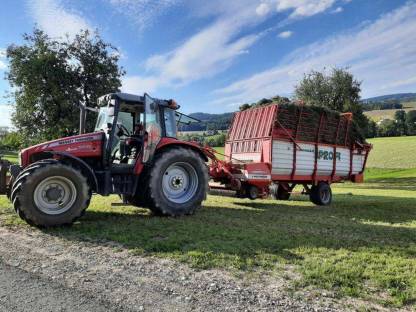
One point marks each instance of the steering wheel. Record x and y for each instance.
(123, 129)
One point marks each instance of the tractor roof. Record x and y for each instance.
(125, 97)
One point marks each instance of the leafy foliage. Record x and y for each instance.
(53, 78)
(338, 91)
(12, 141)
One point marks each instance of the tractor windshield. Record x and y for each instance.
(103, 119)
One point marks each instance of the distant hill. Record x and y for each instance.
(209, 122)
(400, 97)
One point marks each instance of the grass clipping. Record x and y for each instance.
(312, 123)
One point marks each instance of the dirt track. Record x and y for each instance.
(40, 272)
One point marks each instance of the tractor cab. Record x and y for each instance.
(134, 125)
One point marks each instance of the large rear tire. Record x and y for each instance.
(321, 194)
(48, 194)
(178, 182)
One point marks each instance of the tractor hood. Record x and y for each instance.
(83, 146)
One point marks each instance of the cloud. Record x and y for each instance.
(143, 13)
(382, 54)
(56, 20)
(285, 34)
(216, 47)
(263, 9)
(303, 8)
(3, 64)
(337, 10)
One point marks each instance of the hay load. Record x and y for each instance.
(317, 124)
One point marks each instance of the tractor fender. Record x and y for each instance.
(170, 142)
(85, 168)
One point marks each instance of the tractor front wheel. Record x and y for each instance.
(178, 182)
(50, 194)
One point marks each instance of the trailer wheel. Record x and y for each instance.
(279, 192)
(178, 182)
(50, 194)
(321, 194)
(252, 192)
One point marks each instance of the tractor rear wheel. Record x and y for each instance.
(50, 194)
(178, 182)
(321, 194)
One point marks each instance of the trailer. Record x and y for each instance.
(273, 148)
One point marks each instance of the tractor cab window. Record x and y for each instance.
(103, 119)
(125, 123)
(170, 122)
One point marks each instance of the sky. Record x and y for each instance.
(212, 56)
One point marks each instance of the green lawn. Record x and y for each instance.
(363, 245)
(398, 152)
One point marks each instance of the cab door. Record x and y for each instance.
(153, 129)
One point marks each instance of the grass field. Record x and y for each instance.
(363, 245)
(378, 114)
(399, 152)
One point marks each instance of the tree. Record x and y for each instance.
(338, 91)
(53, 78)
(411, 122)
(244, 107)
(11, 141)
(401, 126)
(387, 128)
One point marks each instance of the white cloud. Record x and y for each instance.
(302, 8)
(5, 115)
(143, 13)
(2, 57)
(56, 20)
(337, 10)
(263, 9)
(214, 48)
(285, 34)
(382, 54)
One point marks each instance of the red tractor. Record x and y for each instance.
(133, 152)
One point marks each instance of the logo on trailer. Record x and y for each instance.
(326, 155)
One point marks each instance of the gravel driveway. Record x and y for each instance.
(41, 272)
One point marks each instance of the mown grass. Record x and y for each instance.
(363, 245)
(396, 152)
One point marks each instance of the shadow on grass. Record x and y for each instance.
(245, 230)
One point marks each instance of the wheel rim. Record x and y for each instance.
(325, 195)
(180, 182)
(55, 195)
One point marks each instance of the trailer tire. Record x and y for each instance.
(50, 194)
(178, 182)
(321, 194)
